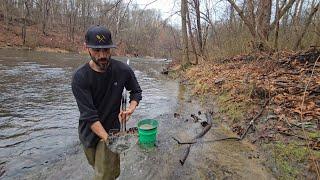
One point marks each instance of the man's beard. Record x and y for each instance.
(102, 63)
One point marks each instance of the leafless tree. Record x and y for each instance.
(314, 9)
(25, 15)
(185, 55)
(259, 23)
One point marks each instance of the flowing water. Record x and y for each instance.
(39, 118)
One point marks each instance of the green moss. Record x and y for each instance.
(202, 100)
(289, 159)
(288, 172)
(216, 119)
(316, 154)
(185, 66)
(313, 135)
(174, 74)
(234, 110)
(200, 88)
(291, 151)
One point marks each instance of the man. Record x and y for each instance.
(97, 87)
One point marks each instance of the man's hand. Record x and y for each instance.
(106, 138)
(125, 115)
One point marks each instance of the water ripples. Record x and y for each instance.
(38, 113)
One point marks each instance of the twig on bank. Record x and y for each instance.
(255, 118)
(289, 134)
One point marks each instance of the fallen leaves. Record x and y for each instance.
(283, 76)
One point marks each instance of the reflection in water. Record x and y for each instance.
(39, 116)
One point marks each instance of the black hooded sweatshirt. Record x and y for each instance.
(98, 96)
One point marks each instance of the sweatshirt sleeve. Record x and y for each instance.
(133, 86)
(83, 96)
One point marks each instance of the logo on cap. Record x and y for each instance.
(100, 38)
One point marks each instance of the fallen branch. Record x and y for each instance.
(203, 132)
(185, 155)
(181, 143)
(208, 141)
(254, 119)
(2, 170)
(289, 134)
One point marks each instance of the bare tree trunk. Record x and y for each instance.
(119, 17)
(185, 56)
(285, 18)
(6, 13)
(74, 24)
(300, 11)
(252, 17)
(205, 38)
(88, 13)
(277, 26)
(199, 31)
(24, 25)
(295, 13)
(45, 16)
(191, 37)
(263, 19)
(232, 18)
(243, 9)
(308, 22)
(282, 11)
(246, 20)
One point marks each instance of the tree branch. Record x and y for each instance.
(281, 13)
(243, 17)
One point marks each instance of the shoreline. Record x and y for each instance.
(236, 89)
(64, 51)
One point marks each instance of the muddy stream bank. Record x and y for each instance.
(38, 122)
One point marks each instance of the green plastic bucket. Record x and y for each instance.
(147, 130)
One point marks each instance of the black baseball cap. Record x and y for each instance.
(99, 37)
